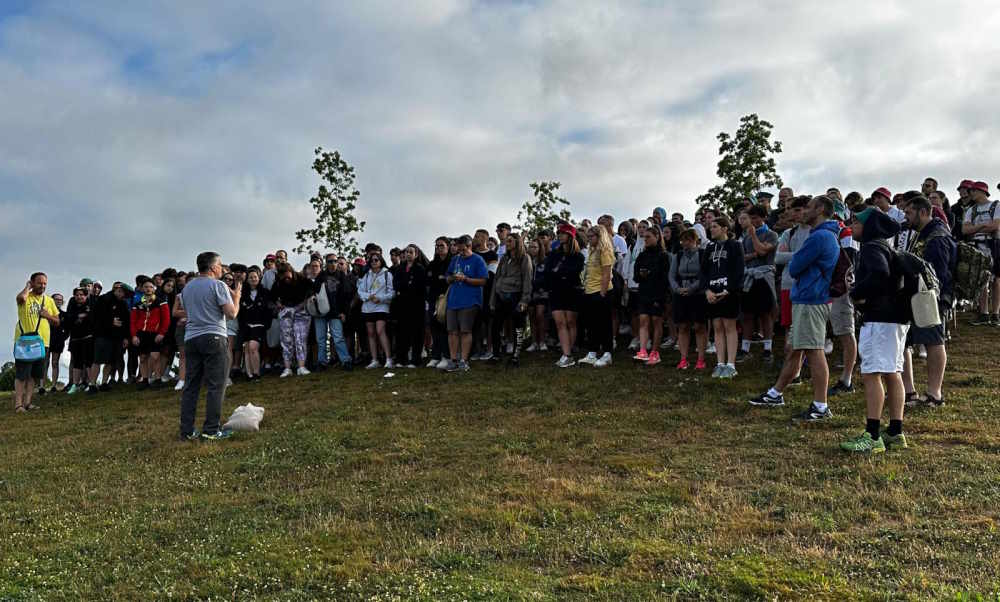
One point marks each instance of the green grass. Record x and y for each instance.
(536, 484)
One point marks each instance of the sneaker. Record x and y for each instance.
(982, 320)
(92, 390)
(433, 363)
(543, 347)
(286, 373)
(445, 364)
(217, 435)
(390, 364)
(165, 379)
(767, 357)
(41, 391)
(894, 442)
(684, 365)
(532, 348)
(828, 347)
(72, 390)
(510, 348)
(374, 365)
(864, 444)
(303, 371)
(710, 349)
(590, 358)
(641, 356)
(728, 372)
(565, 362)
(461, 366)
(633, 344)
(814, 415)
(742, 356)
(839, 388)
(180, 386)
(485, 357)
(654, 358)
(604, 361)
(700, 365)
(766, 401)
(995, 320)
(668, 343)
(717, 371)
(411, 366)
(229, 382)
(192, 436)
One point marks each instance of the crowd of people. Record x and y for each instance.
(817, 269)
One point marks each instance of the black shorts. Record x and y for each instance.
(759, 299)
(107, 351)
(933, 335)
(565, 300)
(995, 254)
(689, 309)
(81, 353)
(728, 308)
(57, 344)
(256, 332)
(34, 370)
(378, 316)
(651, 307)
(148, 344)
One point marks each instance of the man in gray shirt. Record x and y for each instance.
(208, 302)
(759, 298)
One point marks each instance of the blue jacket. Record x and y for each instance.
(813, 264)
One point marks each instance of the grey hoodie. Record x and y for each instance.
(794, 238)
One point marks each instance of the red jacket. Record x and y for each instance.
(153, 316)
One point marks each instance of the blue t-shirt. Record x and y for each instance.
(203, 299)
(462, 295)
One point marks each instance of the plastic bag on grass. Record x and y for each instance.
(245, 418)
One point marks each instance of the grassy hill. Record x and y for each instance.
(537, 484)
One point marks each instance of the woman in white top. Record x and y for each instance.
(376, 292)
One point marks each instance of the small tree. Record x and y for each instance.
(746, 164)
(543, 210)
(335, 221)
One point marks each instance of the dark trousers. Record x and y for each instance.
(506, 308)
(596, 317)
(439, 334)
(206, 358)
(410, 333)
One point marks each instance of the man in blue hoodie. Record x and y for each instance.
(812, 268)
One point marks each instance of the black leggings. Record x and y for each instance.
(410, 334)
(596, 318)
(507, 308)
(439, 334)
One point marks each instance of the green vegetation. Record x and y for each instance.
(535, 484)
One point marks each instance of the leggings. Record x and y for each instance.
(596, 316)
(410, 333)
(508, 308)
(294, 334)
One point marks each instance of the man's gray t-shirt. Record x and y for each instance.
(768, 237)
(203, 299)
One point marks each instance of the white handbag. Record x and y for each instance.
(924, 303)
(319, 304)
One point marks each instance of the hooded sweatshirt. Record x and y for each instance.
(652, 272)
(107, 309)
(723, 267)
(813, 264)
(794, 238)
(377, 284)
(151, 314)
(875, 286)
(685, 271)
(935, 245)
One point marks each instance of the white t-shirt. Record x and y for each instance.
(979, 214)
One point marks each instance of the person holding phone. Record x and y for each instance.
(467, 276)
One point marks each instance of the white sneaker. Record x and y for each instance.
(445, 364)
(180, 386)
(303, 371)
(286, 373)
(389, 364)
(828, 347)
(590, 358)
(433, 363)
(565, 362)
(710, 348)
(229, 382)
(164, 379)
(532, 348)
(667, 344)
(411, 366)
(373, 366)
(510, 348)
(634, 345)
(485, 357)
(604, 362)
(624, 329)
(543, 347)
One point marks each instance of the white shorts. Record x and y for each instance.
(881, 347)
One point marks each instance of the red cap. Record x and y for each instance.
(966, 184)
(360, 261)
(884, 192)
(983, 186)
(270, 256)
(567, 228)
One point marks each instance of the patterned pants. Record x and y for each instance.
(294, 325)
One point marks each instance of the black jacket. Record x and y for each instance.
(107, 308)
(652, 272)
(722, 269)
(876, 283)
(562, 272)
(255, 311)
(437, 278)
(80, 319)
(935, 245)
(340, 291)
(411, 287)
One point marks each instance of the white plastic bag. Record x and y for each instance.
(245, 418)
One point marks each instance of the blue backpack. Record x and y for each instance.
(30, 347)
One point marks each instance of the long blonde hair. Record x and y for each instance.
(603, 240)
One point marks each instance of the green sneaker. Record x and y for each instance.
(73, 390)
(217, 435)
(864, 444)
(897, 442)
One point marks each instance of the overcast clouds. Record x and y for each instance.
(135, 135)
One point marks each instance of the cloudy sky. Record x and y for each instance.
(135, 135)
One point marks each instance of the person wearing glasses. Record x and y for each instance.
(376, 293)
(437, 285)
(339, 288)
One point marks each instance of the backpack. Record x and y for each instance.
(920, 288)
(843, 272)
(973, 270)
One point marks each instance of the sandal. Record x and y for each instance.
(932, 401)
(19, 408)
(912, 400)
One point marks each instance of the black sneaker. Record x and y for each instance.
(742, 356)
(982, 320)
(813, 414)
(41, 392)
(321, 368)
(192, 436)
(995, 320)
(347, 366)
(765, 400)
(839, 388)
(92, 390)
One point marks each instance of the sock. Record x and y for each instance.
(773, 393)
(745, 346)
(872, 426)
(733, 366)
(895, 427)
(819, 406)
(767, 344)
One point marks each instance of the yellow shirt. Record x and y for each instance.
(27, 316)
(595, 264)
